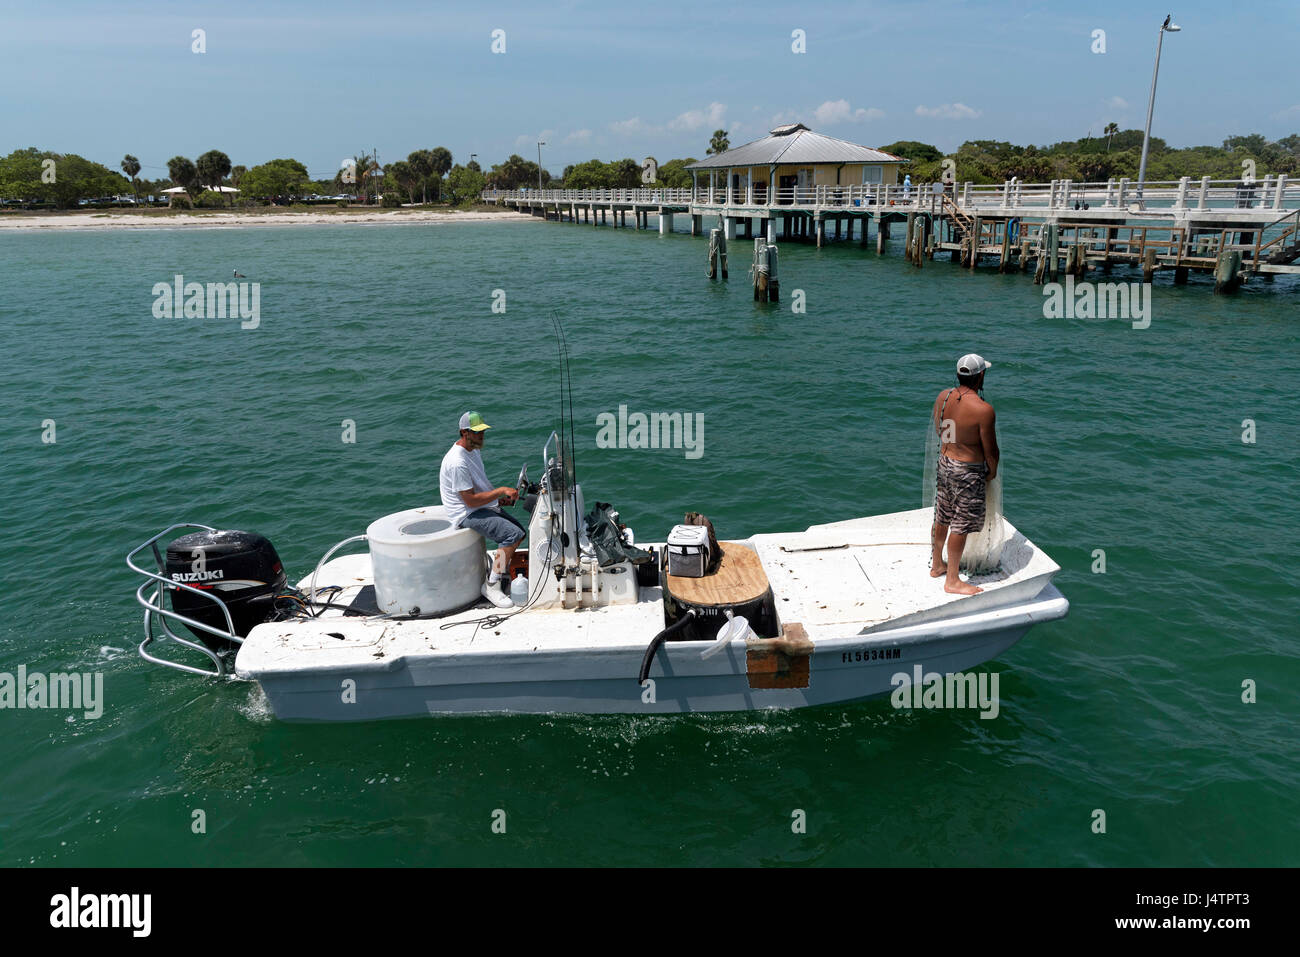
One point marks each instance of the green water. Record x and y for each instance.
(1113, 438)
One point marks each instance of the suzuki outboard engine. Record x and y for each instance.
(240, 568)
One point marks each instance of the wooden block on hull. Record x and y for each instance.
(780, 662)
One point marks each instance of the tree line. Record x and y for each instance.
(36, 176)
(1115, 154)
(431, 175)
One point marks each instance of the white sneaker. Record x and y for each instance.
(493, 593)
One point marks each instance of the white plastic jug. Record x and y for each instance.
(737, 627)
(519, 590)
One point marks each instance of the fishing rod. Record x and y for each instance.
(568, 482)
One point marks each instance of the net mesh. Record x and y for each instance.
(983, 551)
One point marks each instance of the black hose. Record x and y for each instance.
(658, 640)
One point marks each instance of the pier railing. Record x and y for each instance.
(1176, 196)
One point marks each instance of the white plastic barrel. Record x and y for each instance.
(422, 565)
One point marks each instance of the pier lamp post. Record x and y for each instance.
(1167, 27)
(540, 144)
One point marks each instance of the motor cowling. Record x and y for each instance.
(241, 569)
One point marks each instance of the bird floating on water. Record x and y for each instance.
(239, 275)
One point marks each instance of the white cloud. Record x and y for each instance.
(544, 136)
(1289, 112)
(712, 116)
(839, 111)
(578, 136)
(1117, 103)
(949, 111)
(633, 126)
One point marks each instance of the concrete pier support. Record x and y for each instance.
(730, 227)
(697, 224)
(665, 223)
(771, 230)
(821, 229)
(882, 236)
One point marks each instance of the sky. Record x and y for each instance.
(320, 82)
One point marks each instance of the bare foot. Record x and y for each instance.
(939, 570)
(962, 588)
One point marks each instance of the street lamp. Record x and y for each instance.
(1166, 27)
(540, 144)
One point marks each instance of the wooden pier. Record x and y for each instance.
(1231, 229)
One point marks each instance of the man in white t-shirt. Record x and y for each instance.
(471, 501)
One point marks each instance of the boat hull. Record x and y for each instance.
(742, 677)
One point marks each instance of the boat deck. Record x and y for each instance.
(869, 574)
(838, 580)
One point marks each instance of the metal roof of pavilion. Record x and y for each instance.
(795, 143)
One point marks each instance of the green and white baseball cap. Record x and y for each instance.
(474, 422)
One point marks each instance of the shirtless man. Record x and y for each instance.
(968, 458)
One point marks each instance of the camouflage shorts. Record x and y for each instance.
(959, 495)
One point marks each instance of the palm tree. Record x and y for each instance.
(362, 163)
(422, 163)
(182, 173)
(403, 176)
(441, 166)
(1110, 130)
(131, 166)
(719, 144)
(213, 167)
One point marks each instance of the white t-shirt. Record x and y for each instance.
(462, 471)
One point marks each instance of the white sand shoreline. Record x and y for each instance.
(233, 220)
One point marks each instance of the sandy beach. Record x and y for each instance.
(165, 219)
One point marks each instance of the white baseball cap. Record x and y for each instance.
(971, 364)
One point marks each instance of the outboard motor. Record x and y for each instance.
(240, 568)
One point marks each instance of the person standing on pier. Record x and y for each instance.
(968, 460)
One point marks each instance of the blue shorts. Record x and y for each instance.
(494, 525)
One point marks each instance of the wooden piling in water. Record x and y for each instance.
(1227, 271)
(773, 284)
(1005, 259)
(1053, 250)
(1148, 265)
(975, 242)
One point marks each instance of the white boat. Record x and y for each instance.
(836, 612)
